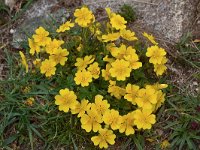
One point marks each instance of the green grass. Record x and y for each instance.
(29, 124)
(189, 52)
(8, 17)
(128, 13)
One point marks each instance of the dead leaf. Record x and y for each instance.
(196, 41)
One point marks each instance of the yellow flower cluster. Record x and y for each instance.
(111, 62)
(87, 70)
(157, 58)
(94, 116)
(157, 55)
(41, 43)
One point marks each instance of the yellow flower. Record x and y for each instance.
(131, 93)
(127, 124)
(112, 118)
(81, 108)
(156, 54)
(65, 100)
(105, 72)
(105, 136)
(93, 18)
(128, 35)
(108, 28)
(112, 83)
(146, 98)
(120, 69)
(37, 63)
(95, 29)
(82, 63)
(116, 91)
(122, 52)
(110, 60)
(100, 105)
(53, 45)
(118, 22)
(65, 27)
(94, 70)
(159, 69)
(160, 99)
(23, 60)
(144, 119)
(80, 47)
(150, 38)
(91, 120)
(34, 47)
(109, 12)
(41, 37)
(29, 101)
(165, 144)
(158, 86)
(59, 56)
(119, 52)
(160, 94)
(110, 47)
(48, 68)
(83, 17)
(110, 37)
(133, 60)
(83, 78)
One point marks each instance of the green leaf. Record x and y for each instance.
(182, 143)
(30, 137)
(191, 144)
(36, 132)
(138, 142)
(10, 140)
(125, 145)
(74, 144)
(70, 81)
(171, 124)
(85, 93)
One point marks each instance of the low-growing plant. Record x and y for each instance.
(184, 121)
(188, 51)
(97, 73)
(128, 13)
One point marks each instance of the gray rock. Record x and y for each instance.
(43, 13)
(171, 18)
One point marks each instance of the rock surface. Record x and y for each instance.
(43, 13)
(171, 18)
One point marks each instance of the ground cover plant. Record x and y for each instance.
(89, 82)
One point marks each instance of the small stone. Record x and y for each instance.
(12, 31)
(195, 83)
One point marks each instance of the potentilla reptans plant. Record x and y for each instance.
(102, 59)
